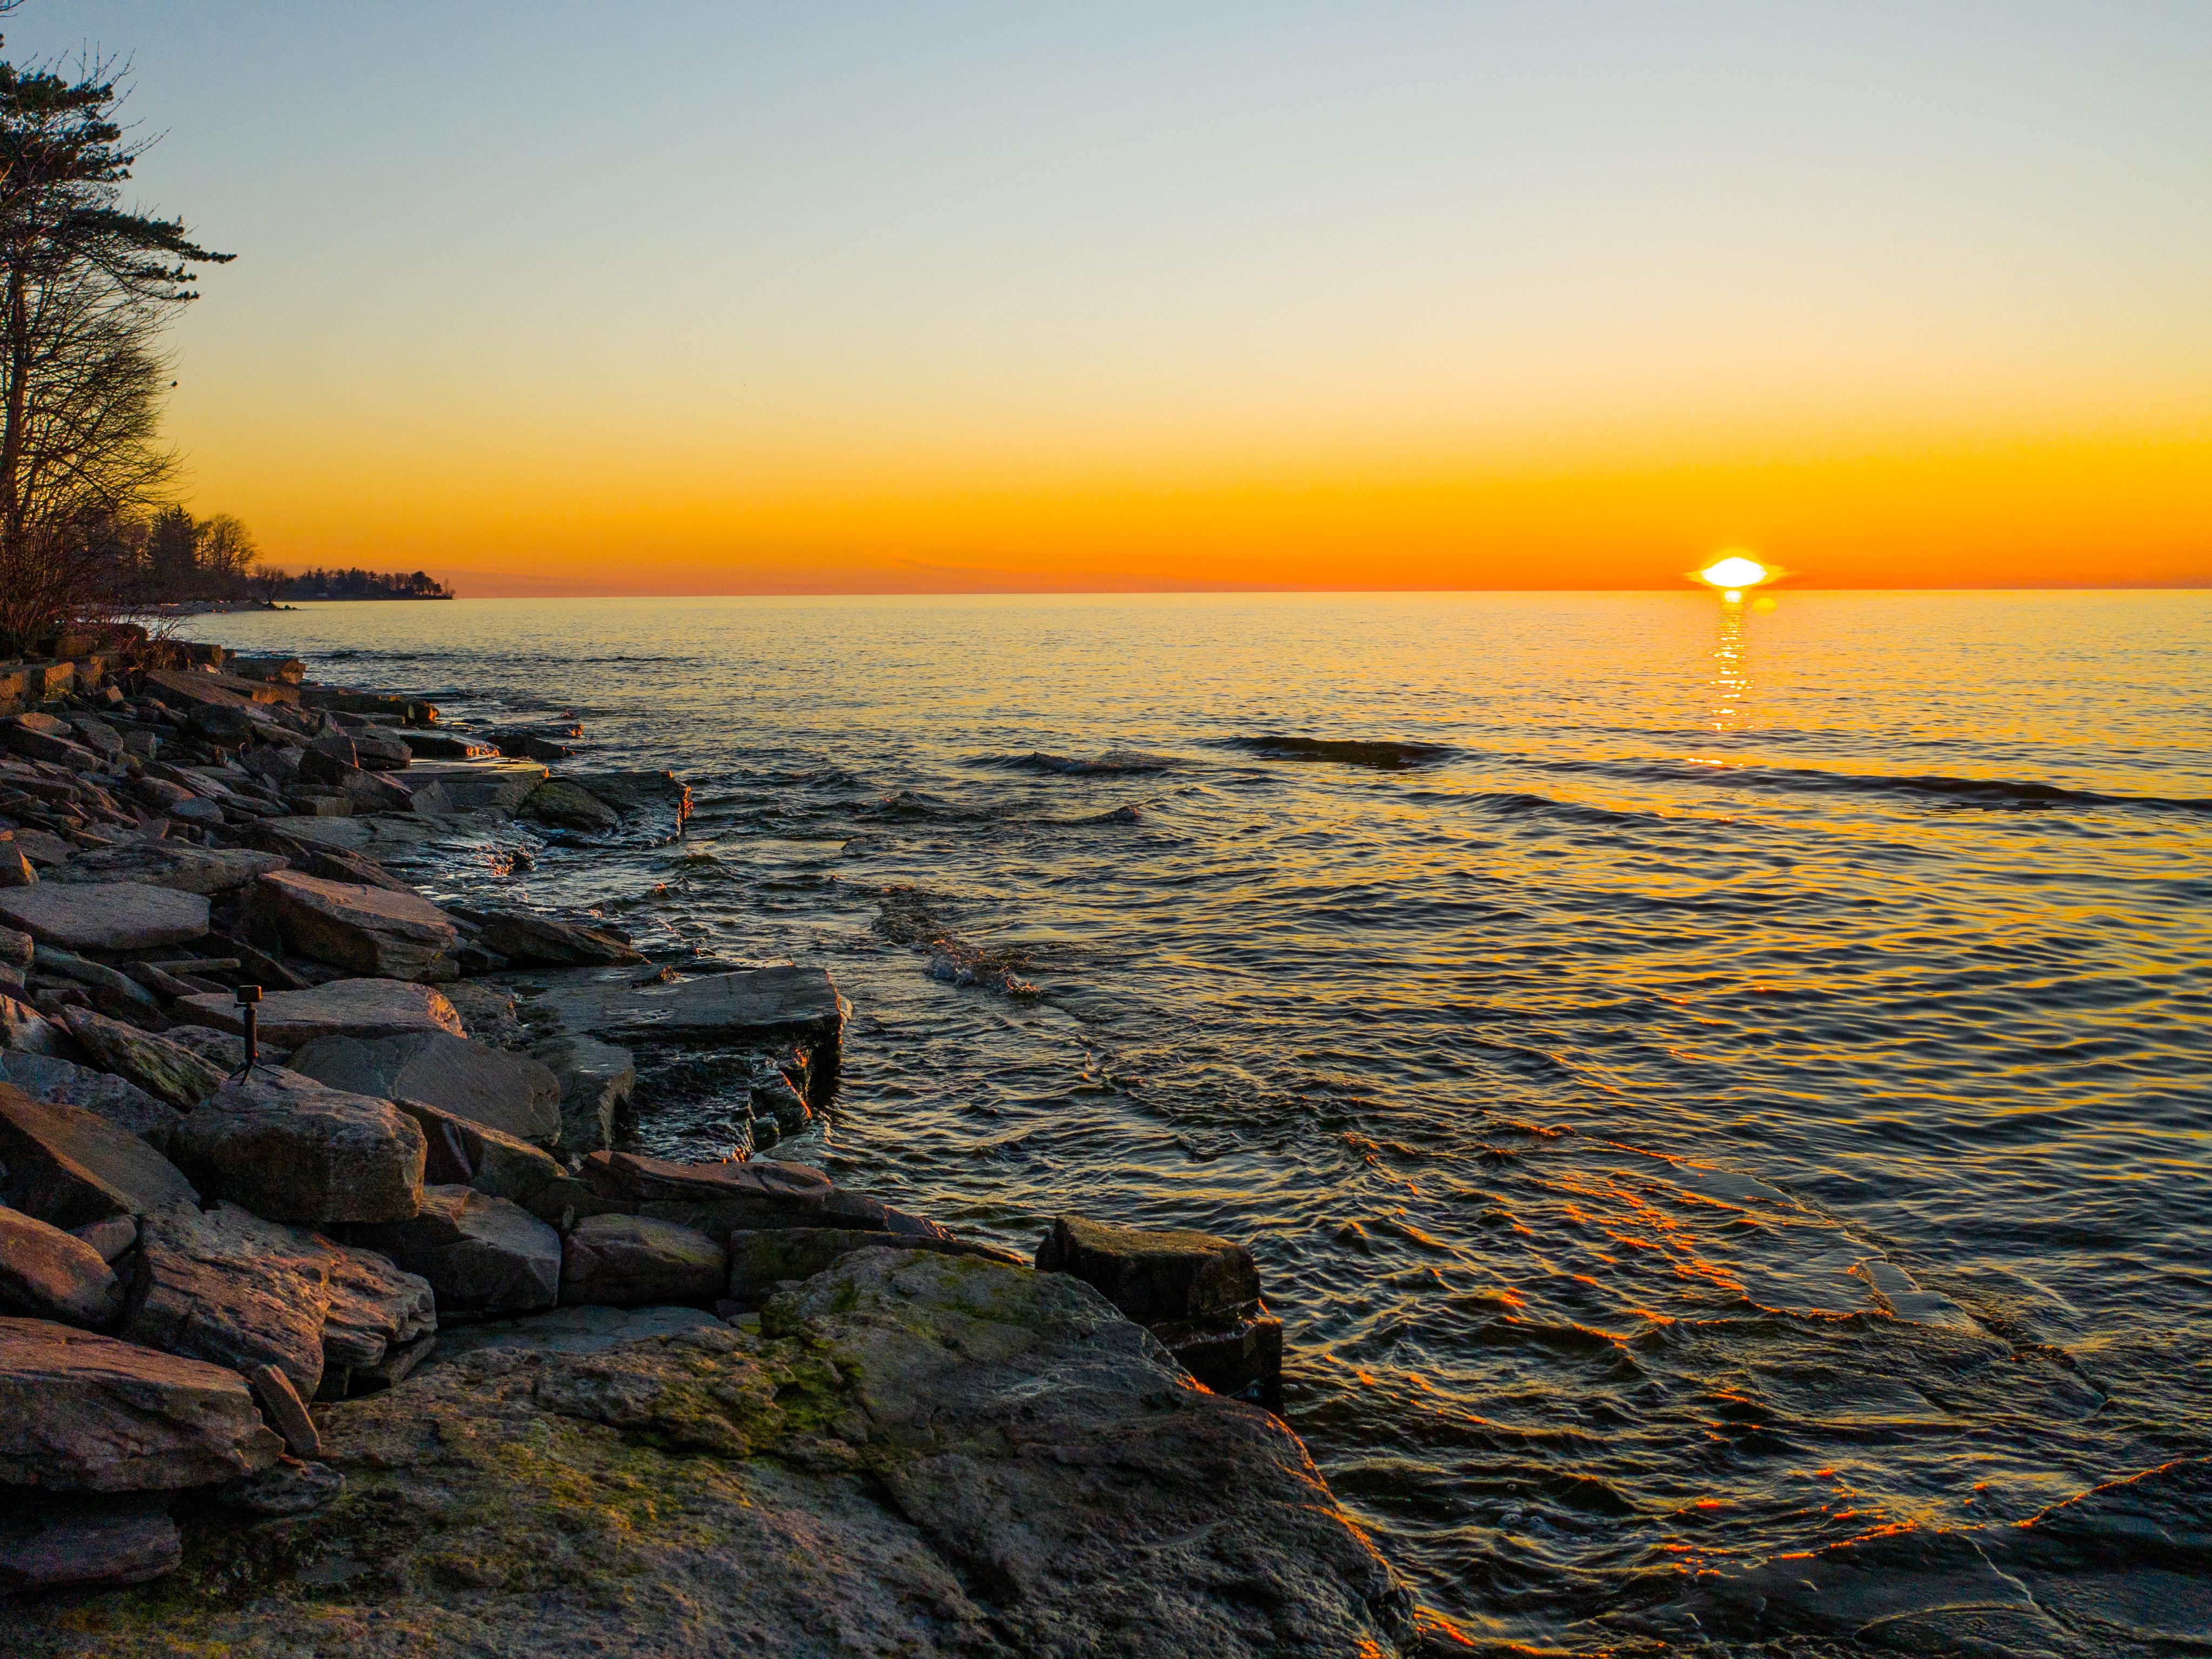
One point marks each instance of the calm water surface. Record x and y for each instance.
(1700, 1082)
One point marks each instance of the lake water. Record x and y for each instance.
(1702, 1081)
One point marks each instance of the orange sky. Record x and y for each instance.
(720, 298)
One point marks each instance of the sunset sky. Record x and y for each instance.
(711, 297)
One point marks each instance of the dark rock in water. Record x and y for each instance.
(634, 1262)
(1387, 754)
(521, 744)
(372, 931)
(46, 1273)
(482, 786)
(510, 1093)
(379, 751)
(527, 938)
(761, 1259)
(763, 1005)
(596, 1080)
(124, 1103)
(67, 1166)
(104, 915)
(294, 1149)
(159, 1066)
(81, 1412)
(1198, 1293)
(81, 1549)
(1151, 1275)
(348, 1007)
(481, 1254)
(460, 1151)
(560, 802)
(442, 745)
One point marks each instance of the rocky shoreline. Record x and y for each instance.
(374, 1339)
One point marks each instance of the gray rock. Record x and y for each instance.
(24, 1029)
(571, 1330)
(111, 1236)
(562, 804)
(15, 870)
(634, 1261)
(80, 1413)
(16, 949)
(1152, 1275)
(46, 1273)
(294, 1149)
(597, 1080)
(507, 1093)
(366, 930)
(69, 1167)
(104, 915)
(762, 1005)
(179, 865)
(124, 1103)
(716, 1198)
(462, 1152)
(75, 1550)
(159, 1066)
(480, 1255)
(763, 1258)
(292, 1488)
(482, 786)
(97, 735)
(636, 792)
(524, 938)
(345, 1007)
(224, 1050)
(380, 1320)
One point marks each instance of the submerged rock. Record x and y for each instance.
(919, 1455)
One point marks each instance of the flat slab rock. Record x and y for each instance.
(373, 931)
(510, 1093)
(104, 915)
(345, 1007)
(81, 1412)
(763, 1003)
(919, 1454)
(69, 1167)
(121, 1101)
(179, 865)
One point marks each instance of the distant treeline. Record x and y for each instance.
(359, 584)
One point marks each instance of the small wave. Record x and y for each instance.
(1989, 794)
(1386, 755)
(1113, 764)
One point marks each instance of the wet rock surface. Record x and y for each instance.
(879, 1470)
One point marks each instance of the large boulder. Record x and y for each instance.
(80, 1413)
(919, 1455)
(597, 1080)
(294, 1149)
(508, 1092)
(46, 1273)
(368, 930)
(104, 915)
(159, 1066)
(634, 1262)
(179, 865)
(122, 1103)
(481, 1254)
(226, 1287)
(345, 1007)
(69, 1167)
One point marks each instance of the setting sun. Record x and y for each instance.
(1735, 573)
